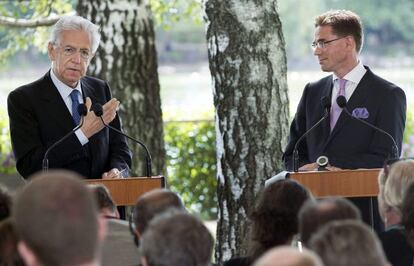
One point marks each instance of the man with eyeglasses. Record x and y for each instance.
(343, 141)
(348, 143)
(44, 111)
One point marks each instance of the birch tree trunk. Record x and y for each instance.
(247, 58)
(127, 59)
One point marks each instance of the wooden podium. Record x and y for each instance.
(345, 183)
(125, 191)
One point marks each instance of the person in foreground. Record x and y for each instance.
(288, 256)
(118, 247)
(45, 110)
(348, 243)
(57, 221)
(348, 143)
(176, 238)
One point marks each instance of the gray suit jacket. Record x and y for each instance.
(119, 248)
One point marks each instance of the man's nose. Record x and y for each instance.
(317, 51)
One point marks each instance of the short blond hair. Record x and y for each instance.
(400, 176)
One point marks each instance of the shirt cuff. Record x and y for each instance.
(81, 137)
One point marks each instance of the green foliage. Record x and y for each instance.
(7, 162)
(191, 165)
(168, 12)
(13, 39)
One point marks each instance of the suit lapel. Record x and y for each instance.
(327, 92)
(54, 105)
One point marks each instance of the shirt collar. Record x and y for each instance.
(63, 89)
(355, 75)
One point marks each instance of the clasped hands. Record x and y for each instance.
(92, 124)
(314, 167)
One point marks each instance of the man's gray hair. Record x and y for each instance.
(76, 23)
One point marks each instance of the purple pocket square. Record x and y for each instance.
(361, 113)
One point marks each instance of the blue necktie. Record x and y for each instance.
(74, 95)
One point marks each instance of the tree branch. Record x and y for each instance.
(29, 23)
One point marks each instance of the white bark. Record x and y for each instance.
(248, 67)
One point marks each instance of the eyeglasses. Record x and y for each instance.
(389, 162)
(69, 51)
(322, 44)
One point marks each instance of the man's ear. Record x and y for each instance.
(51, 51)
(27, 254)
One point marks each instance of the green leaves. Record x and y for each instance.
(191, 165)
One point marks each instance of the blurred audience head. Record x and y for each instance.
(407, 211)
(106, 204)
(5, 203)
(400, 176)
(9, 255)
(314, 214)
(288, 256)
(274, 217)
(347, 243)
(389, 215)
(151, 204)
(176, 238)
(56, 219)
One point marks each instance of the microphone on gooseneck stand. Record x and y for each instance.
(341, 101)
(97, 109)
(326, 103)
(82, 111)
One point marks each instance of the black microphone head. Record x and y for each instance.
(326, 102)
(97, 109)
(341, 101)
(82, 110)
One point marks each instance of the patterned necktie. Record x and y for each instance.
(74, 95)
(335, 109)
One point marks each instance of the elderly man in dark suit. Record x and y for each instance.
(348, 143)
(44, 111)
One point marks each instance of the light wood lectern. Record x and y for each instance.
(345, 183)
(126, 191)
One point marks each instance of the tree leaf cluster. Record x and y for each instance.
(191, 165)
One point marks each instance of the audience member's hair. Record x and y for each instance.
(274, 218)
(176, 238)
(103, 197)
(9, 255)
(57, 219)
(343, 23)
(153, 203)
(314, 214)
(401, 175)
(5, 203)
(407, 211)
(389, 215)
(289, 256)
(348, 243)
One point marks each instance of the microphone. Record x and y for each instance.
(326, 103)
(97, 109)
(341, 101)
(82, 111)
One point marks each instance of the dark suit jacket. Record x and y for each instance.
(39, 118)
(351, 144)
(396, 247)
